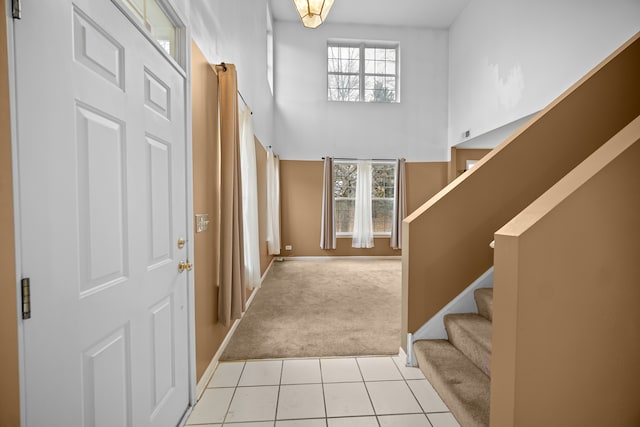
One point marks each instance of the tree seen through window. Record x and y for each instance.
(382, 194)
(361, 72)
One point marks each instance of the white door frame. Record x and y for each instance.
(186, 72)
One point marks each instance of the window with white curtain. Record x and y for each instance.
(345, 175)
(273, 203)
(249, 183)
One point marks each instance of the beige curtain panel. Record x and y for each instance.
(231, 294)
(399, 205)
(328, 230)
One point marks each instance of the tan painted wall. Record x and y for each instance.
(448, 237)
(9, 383)
(566, 334)
(210, 333)
(301, 189)
(204, 92)
(459, 157)
(424, 179)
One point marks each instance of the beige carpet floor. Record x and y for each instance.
(322, 308)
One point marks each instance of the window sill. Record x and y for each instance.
(347, 101)
(375, 236)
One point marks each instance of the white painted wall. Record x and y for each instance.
(309, 127)
(510, 58)
(236, 32)
(495, 137)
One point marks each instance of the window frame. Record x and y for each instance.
(270, 47)
(179, 56)
(362, 74)
(349, 234)
(341, 234)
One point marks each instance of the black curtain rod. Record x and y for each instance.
(224, 68)
(245, 102)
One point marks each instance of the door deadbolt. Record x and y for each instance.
(182, 266)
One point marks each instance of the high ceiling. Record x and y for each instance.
(412, 13)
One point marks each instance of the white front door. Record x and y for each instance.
(102, 199)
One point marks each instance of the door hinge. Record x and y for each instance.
(16, 9)
(26, 298)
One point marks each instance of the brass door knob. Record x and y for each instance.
(182, 266)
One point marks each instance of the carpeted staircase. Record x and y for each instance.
(460, 368)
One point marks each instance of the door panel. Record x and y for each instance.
(102, 181)
(105, 371)
(159, 161)
(157, 94)
(101, 200)
(163, 342)
(97, 50)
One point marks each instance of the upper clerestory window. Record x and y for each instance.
(363, 72)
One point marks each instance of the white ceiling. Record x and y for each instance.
(412, 13)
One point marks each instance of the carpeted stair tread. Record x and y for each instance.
(484, 301)
(471, 334)
(463, 387)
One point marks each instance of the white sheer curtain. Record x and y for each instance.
(273, 203)
(399, 205)
(249, 183)
(362, 222)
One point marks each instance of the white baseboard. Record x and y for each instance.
(208, 373)
(401, 352)
(330, 258)
(410, 360)
(267, 270)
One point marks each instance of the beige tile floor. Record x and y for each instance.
(335, 392)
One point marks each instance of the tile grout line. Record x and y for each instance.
(406, 381)
(426, 413)
(364, 383)
(235, 389)
(275, 416)
(322, 383)
(324, 397)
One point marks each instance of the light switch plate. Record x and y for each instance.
(202, 222)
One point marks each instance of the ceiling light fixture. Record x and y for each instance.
(313, 12)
